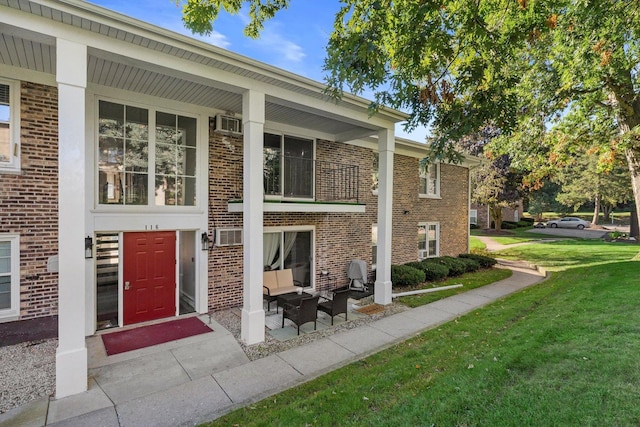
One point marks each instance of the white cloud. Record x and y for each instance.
(276, 44)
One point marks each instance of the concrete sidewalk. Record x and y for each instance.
(203, 377)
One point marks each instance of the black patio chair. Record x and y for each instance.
(337, 305)
(307, 311)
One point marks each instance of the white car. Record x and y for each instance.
(569, 222)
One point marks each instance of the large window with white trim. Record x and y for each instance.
(9, 126)
(429, 179)
(428, 240)
(9, 276)
(146, 157)
(473, 216)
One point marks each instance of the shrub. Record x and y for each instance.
(470, 264)
(528, 220)
(434, 271)
(456, 266)
(483, 260)
(508, 225)
(404, 275)
(524, 224)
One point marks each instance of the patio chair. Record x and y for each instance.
(337, 305)
(307, 311)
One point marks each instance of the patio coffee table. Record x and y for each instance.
(292, 298)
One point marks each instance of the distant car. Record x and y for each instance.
(569, 222)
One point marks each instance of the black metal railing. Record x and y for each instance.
(303, 179)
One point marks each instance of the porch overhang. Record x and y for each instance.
(236, 206)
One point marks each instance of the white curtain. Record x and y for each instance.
(271, 244)
(289, 240)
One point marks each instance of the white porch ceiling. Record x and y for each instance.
(31, 50)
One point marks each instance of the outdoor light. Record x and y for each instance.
(88, 247)
(205, 241)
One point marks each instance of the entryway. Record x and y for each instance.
(149, 276)
(144, 276)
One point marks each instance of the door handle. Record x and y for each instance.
(127, 286)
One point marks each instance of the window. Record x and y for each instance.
(131, 159)
(374, 246)
(288, 166)
(473, 216)
(428, 240)
(290, 248)
(9, 126)
(375, 173)
(9, 276)
(430, 179)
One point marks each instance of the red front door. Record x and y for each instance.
(149, 275)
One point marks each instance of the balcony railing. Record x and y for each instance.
(306, 180)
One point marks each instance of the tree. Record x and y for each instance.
(459, 65)
(585, 182)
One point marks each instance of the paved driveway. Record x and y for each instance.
(570, 232)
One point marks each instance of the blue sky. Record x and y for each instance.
(294, 40)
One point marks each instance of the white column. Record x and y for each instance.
(71, 356)
(253, 104)
(386, 147)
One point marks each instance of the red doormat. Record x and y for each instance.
(146, 336)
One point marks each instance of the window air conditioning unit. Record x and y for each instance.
(229, 236)
(228, 124)
(422, 254)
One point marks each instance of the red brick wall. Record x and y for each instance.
(29, 200)
(339, 237)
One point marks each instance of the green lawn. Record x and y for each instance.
(468, 281)
(476, 245)
(562, 353)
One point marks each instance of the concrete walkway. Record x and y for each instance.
(199, 379)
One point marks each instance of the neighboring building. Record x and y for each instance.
(146, 175)
(479, 215)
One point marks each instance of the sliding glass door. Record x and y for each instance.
(288, 166)
(290, 249)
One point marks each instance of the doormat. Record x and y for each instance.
(146, 336)
(371, 309)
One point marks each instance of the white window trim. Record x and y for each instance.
(435, 195)
(150, 206)
(13, 166)
(374, 265)
(473, 213)
(426, 225)
(13, 312)
(312, 229)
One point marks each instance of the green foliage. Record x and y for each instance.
(404, 275)
(470, 264)
(456, 266)
(434, 271)
(199, 15)
(483, 260)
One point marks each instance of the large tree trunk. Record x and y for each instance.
(596, 210)
(634, 169)
(496, 216)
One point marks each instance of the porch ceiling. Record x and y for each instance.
(34, 51)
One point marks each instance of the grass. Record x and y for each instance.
(469, 281)
(562, 353)
(476, 244)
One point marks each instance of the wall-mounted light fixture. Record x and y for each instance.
(88, 247)
(204, 239)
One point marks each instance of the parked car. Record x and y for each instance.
(569, 222)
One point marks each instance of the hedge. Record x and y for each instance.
(456, 266)
(484, 261)
(434, 271)
(471, 264)
(404, 275)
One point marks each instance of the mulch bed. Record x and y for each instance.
(371, 309)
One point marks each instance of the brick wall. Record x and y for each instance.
(339, 237)
(29, 200)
